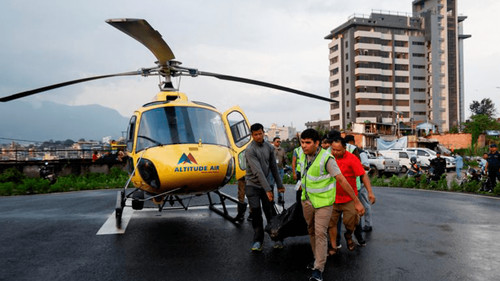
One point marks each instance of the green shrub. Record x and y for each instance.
(6, 188)
(410, 182)
(456, 187)
(376, 181)
(12, 175)
(396, 181)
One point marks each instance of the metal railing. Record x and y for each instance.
(24, 154)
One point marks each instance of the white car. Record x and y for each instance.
(402, 155)
(425, 155)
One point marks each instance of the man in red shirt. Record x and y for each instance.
(351, 167)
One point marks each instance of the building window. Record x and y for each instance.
(347, 79)
(346, 56)
(347, 68)
(346, 92)
(347, 103)
(418, 78)
(418, 55)
(348, 115)
(346, 44)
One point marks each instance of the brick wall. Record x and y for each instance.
(456, 141)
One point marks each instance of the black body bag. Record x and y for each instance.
(290, 222)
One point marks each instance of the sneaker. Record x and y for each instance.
(339, 246)
(316, 276)
(278, 245)
(362, 242)
(367, 228)
(310, 265)
(257, 246)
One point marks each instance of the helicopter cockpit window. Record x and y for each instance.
(239, 128)
(180, 125)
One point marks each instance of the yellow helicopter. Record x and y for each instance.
(178, 148)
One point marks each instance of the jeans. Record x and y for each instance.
(459, 172)
(272, 182)
(257, 195)
(366, 220)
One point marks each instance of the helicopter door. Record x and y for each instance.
(238, 130)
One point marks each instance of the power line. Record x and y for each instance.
(10, 139)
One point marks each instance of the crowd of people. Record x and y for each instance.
(332, 189)
(489, 167)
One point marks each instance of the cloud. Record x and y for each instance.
(278, 41)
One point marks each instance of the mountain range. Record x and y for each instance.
(45, 121)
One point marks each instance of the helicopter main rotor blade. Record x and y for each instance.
(63, 84)
(264, 84)
(141, 31)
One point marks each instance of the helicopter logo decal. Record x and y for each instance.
(187, 159)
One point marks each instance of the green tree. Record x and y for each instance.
(479, 123)
(484, 107)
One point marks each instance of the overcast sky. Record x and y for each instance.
(280, 41)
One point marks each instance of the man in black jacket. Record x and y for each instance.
(439, 165)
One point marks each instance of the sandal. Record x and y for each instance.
(332, 251)
(350, 244)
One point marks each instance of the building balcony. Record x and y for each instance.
(402, 85)
(361, 58)
(402, 61)
(363, 119)
(371, 34)
(400, 37)
(368, 95)
(373, 83)
(402, 73)
(402, 49)
(377, 71)
(371, 107)
(367, 46)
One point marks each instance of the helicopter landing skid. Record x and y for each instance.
(224, 213)
(120, 204)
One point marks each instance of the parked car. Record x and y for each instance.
(425, 155)
(402, 155)
(380, 164)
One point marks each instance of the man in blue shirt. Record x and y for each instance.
(459, 164)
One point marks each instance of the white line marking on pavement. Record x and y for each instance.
(109, 227)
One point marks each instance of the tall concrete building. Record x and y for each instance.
(394, 68)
